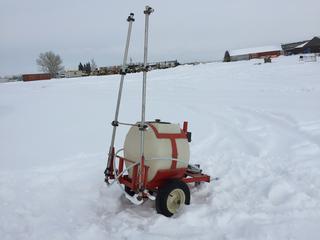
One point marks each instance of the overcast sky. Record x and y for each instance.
(186, 30)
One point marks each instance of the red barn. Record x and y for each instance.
(36, 76)
(258, 52)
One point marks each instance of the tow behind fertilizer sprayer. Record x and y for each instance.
(154, 162)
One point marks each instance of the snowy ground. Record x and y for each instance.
(256, 127)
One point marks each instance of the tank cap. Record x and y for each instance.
(157, 120)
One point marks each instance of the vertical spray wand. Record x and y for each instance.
(109, 172)
(148, 10)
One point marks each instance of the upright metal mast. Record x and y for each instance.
(109, 172)
(148, 10)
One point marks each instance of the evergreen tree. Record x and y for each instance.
(80, 67)
(87, 68)
(227, 57)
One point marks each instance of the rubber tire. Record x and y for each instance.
(129, 191)
(163, 193)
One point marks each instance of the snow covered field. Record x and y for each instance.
(256, 127)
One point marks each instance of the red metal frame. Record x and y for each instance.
(162, 176)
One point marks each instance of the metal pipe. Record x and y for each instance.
(128, 124)
(108, 172)
(148, 10)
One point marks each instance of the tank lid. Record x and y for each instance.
(158, 121)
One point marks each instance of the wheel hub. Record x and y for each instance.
(175, 200)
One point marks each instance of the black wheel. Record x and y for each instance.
(171, 197)
(129, 191)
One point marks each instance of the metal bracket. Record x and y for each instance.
(134, 199)
(115, 123)
(123, 72)
(142, 128)
(148, 10)
(130, 18)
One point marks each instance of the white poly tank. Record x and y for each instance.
(157, 148)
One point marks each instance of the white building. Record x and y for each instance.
(72, 74)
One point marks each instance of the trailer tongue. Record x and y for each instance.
(155, 160)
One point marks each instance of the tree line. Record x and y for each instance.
(87, 67)
(50, 62)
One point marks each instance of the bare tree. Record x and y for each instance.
(50, 63)
(93, 65)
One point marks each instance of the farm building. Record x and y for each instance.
(36, 76)
(137, 67)
(165, 64)
(72, 74)
(308, 46)
(288, 47)
(258, 52)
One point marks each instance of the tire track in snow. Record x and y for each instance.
(296, 173)
(257, 175)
